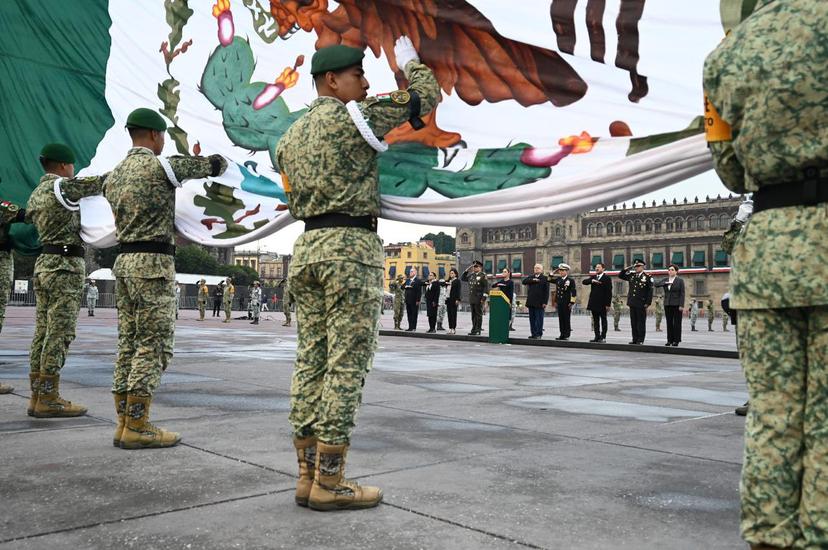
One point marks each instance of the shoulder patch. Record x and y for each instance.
(11, 207)
(400, 97)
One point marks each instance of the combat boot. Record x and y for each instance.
(34, 385)
(49, 402)
(306, 456)
(330, 490)
(397, 327)
(254, 322)
(440, 326)
(139, 432)
(5, 388)
(120, 413)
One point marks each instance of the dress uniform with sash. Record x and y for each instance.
(328, 161)
(767, 103)
(477, 289)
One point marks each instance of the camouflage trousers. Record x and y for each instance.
(441, 312)
(286, 311)
(399, 308)
(228, 309)
(784, 486)
(146, 333)
(6, 274)
(338, 313)
(58, 295)
(255, 308)
(616, 319)
(658, 317)
(202, 309)
(91, 303)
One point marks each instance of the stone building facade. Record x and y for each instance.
(686, 232)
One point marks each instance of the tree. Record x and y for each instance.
(443, 244)
(23, 266)
(242, 275)
(194, 259)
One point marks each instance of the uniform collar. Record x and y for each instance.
(322, 100)
(140, 151)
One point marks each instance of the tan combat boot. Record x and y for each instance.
(34, 385)
(331, 491)
(139, 432)
(49, 402)
(120, 412)
(5, 388)
(306, 455)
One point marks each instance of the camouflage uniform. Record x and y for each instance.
(336, 273)
(256, 302)
(9, 213)
(58, 280)
(767, 79)
(287, 303)
(398, 289)
(694, 314)
(143, 201)
(227, 300)
(659, 313)
(710, 311)
(441, 307)
(91, 299)
(177, 300)
(202, 298)
(617, 308)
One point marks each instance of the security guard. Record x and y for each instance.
(639, 298)
(565, 296)
(477, 287)
(767, 109)
(58, 276)
(328, 160)
(141, 190)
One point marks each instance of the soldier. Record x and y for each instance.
(177, 298)
(141, 190)
(639, 298)
(202, 298)
(768, 82)
(58, 276)
(617, 308)
(256, 302)
(9, 214)
(565, 295)
(328, 160)
(398, 288)
(659, 313)
(227, 299)
(694, 314)
(441, 307)
(287, 301)
(710, 311)
(91, 298)
(725, 320)
(477, 286)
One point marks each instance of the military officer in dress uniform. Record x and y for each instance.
(477, 287)
(639, 298)
(766, 89)
(566, 292)
(328, 160)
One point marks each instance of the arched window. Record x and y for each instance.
(714, 221)
(691, 224)
(679, 224)
(557, 230)
(700, 223)
(628, 227)
(669, 223)
(617, 228)
(464, 238)
(648, 226)
(599, 229)
(657, 226)
(590, 230)
(724, 221)
(610, 228)
(637, 226)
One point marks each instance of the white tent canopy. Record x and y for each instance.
(105, 274)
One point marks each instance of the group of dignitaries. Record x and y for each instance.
(443, 295)
(141, 192)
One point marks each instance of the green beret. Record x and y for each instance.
(146, 118)
(57, 152)
(334, 58)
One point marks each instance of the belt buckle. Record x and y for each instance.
(374, 223)
(66, 250)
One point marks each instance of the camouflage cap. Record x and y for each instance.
(335, 58)
(57, 152)
(146, 118)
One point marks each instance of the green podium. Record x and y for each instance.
(500, 308)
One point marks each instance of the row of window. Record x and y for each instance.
(422, 272)
(692, 223)
(659, 260)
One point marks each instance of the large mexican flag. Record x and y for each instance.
(549, 107)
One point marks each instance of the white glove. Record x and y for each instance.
(745, 211)
(404, 52)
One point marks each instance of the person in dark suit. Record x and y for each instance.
(537, 296)
(432, 296)
(600, 300)
(565, 293)
(218, 296)
(452, 298)
(673, 287)
(413, 295)
(639, 298)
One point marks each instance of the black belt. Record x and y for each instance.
(6, 246)
(335, 219)
(71, 250)
(149, 247)
(808, 191)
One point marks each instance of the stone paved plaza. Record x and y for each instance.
(475, 445)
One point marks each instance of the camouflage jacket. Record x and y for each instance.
(768, 82)
(730, 236)
(203, 294)
(57, 225)
(399, 291)
(9, 214)
(143, 201)
(256, 296)
(229, 294)
(329, 167)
